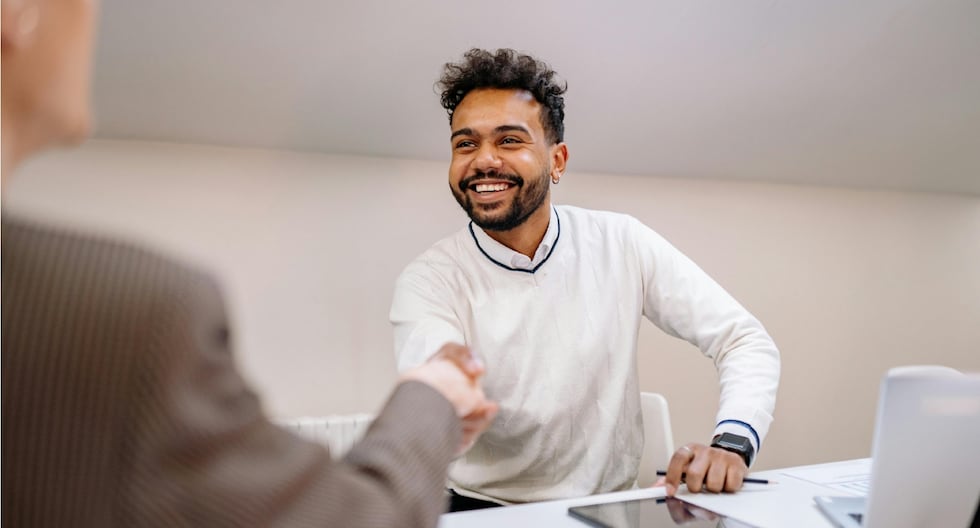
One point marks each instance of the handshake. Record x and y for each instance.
(455, 373)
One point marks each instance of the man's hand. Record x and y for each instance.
(704, 468)
(455, 373)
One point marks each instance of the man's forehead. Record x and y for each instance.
(492, 104)
(499, 94)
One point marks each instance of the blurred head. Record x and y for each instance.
(506, 116)
(47, 60)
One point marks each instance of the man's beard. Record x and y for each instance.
(530, 196)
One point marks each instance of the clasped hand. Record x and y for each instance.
(456, 373)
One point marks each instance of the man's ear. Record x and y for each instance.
(559, 160)
(18, 20)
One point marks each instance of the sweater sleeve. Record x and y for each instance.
(422, 316)
(204, 454)
(681, 299)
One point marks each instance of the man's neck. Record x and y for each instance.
(526, 237)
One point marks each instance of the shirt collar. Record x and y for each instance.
(508, 258)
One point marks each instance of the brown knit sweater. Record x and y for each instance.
(122, 406)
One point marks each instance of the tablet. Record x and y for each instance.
(649, 513)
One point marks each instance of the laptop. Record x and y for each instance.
(925, 456)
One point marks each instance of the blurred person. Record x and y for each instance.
(122, 405)
(552, 296)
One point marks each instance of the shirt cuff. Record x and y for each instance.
(740, 428)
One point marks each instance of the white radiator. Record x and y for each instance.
(339, 433)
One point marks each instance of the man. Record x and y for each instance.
(552, 297)
(122, 405)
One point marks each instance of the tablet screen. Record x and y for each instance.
(647, 513)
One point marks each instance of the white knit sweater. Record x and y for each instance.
(560, 347)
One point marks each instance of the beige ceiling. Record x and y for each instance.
(873, 93)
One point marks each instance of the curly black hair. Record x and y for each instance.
(507, 69)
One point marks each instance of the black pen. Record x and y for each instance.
(747, 480)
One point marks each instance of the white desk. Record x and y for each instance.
(787, 503)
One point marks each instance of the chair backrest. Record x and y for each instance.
(658, 438)
(338, 432)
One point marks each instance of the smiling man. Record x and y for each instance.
(552, 297)
(493, 193)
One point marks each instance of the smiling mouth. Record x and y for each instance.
(481, 188)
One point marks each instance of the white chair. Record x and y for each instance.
(658, 443)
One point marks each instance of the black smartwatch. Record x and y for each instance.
(739, 445)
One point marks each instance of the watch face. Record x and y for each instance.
(736, 444)
(733, 441)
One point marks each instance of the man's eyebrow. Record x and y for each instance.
(499, 130)
(462, 132)
(511, 128)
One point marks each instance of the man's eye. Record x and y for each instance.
(510, 140)
(465, 144)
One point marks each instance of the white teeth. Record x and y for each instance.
(491, 187)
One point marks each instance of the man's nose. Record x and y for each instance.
(487, 159)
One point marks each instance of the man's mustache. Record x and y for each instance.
(466, 182)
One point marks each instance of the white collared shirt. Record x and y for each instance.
(506, 257)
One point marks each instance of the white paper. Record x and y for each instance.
(852, 477)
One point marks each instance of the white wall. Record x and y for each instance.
(848, 282)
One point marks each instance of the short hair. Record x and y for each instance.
(507, 69)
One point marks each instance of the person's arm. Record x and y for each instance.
(201, 452)
(426, 326)
(685, 302)
(422, 315)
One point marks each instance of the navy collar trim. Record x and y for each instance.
(506, 267)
